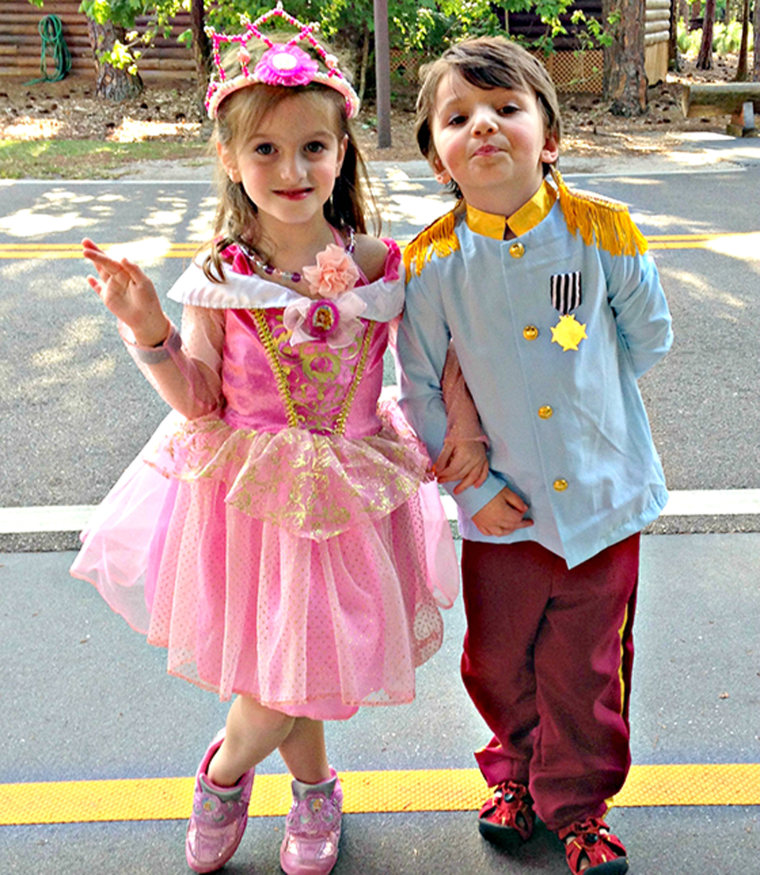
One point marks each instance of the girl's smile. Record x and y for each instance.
(295, 194)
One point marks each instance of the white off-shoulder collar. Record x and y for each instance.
(384, 298)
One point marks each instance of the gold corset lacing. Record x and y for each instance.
(270, 346)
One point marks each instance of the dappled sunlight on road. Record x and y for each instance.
(743, 246)
(406, 203)
(414, 209)
(145, 251)
(74, 354)
(27, 223)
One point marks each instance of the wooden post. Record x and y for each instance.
(382, 74)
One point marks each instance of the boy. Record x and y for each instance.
(555, 312)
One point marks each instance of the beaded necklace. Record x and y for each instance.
(290, 276)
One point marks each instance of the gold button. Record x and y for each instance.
(560, 485)
(517, 250)
(530, 332)
(545, 412)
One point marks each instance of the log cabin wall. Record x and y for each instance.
(575, 71)
(166, 61)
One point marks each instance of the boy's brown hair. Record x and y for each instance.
(486, 62)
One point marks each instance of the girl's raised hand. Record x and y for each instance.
(128, 294)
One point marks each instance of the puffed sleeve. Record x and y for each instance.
(462, 420)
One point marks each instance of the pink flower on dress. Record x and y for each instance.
(285, 65)
(334, 272)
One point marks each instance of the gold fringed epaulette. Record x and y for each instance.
(437, 239)
(605, 222)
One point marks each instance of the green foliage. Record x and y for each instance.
(726, 38)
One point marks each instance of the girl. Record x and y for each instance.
(274, 542)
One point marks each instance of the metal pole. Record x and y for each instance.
(382, 74)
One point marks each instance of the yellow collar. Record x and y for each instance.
(520, 222)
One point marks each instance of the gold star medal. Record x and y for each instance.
(566, 296)
(568, 332)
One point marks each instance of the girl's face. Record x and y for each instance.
(491, 142)
(289, 162)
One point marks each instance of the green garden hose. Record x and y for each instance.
(51, 32)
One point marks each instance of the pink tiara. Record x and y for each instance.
(281, 63)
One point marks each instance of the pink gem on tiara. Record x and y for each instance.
(285, 65)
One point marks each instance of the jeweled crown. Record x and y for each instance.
(281, 64)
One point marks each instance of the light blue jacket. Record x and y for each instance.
(567, 428)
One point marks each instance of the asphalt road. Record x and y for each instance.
(83, 697)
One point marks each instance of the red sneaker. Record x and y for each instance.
(508, 815)
(591, 849)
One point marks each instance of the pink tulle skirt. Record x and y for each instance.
(210, 546)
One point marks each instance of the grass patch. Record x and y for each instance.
(85, 159)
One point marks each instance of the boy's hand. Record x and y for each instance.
(502, 515)
(128, 294)
(464, 460)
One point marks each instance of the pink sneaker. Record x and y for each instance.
(219, 818)
(312, 828)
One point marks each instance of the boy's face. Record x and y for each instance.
(491, 142)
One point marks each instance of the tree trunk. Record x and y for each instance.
(756, 30)
(741, 67)
(364, 65)
(704, 58)
(201, 44)
(501, 14)
(673, 63)
(111, 82)
(625, 81)
(696, 6)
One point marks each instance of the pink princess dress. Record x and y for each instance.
(278, 535)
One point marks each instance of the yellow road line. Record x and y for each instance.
(188, 250)
(33, 251)
(365, 792)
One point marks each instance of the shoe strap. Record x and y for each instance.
(225, 794)
(302, 790)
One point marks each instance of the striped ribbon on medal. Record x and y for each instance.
(566, 292)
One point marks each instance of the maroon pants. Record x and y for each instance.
(547, 661)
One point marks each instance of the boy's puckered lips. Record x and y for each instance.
(486, 150)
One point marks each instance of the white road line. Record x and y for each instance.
(685, 502)
(689, 502)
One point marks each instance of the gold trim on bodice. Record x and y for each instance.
(270, 346)
(268, 342)
(340, 422)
